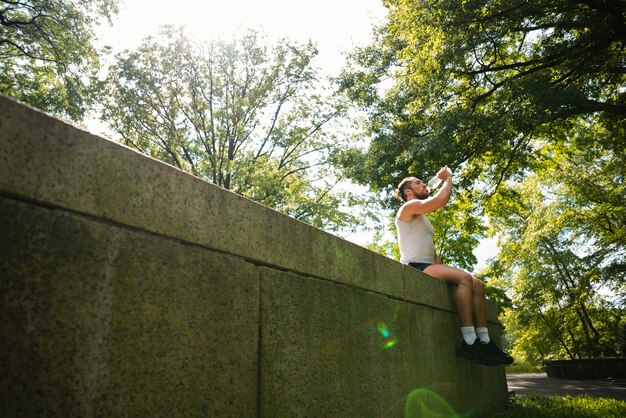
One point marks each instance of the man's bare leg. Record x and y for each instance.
(464, 292)
(472, 310)
(479, 304)
(471, 307)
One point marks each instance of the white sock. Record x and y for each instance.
(483, 335)
(469, 335)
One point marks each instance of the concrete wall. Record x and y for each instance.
(130, 288)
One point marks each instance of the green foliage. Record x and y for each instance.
(561, 407)
(523, 368)
(458, 231)
(46, 54)
(562, 252)
(479, 82)
(382, 243)
(622, 335)
(497, 294)
(242, 114)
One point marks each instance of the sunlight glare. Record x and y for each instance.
(334, 26)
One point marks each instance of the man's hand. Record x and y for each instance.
(444, 173)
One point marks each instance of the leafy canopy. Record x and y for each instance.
(563, 255)
(479, 82)
(47, 57)
(242, 114)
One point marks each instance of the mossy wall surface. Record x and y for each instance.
(130, 288)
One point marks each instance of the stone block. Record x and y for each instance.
(99, 320)
(332, 350)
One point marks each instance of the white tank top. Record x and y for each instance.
(416, 239)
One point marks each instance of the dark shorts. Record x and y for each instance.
(420, 266)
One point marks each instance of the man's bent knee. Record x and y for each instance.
(479, 285)
(466, 279)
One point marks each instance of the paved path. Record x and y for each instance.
(540, 384)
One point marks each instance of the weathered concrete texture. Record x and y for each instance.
(102, 321)
(130, 288)
(331, 351)
(43, 159)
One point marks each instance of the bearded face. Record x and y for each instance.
(420, 190)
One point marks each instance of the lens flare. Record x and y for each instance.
(384, 332)
(382, 328)
(389, 344)
(425, 403)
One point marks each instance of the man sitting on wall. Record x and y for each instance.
(417, 249)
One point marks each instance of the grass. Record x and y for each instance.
(562, 407)
(524, 368)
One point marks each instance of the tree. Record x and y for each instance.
(481, 83)
(562, 252)
(241, 114)
(47, 57)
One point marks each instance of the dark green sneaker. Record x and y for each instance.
(477, 353)
(495, 352)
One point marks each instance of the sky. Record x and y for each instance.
(335, 26)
